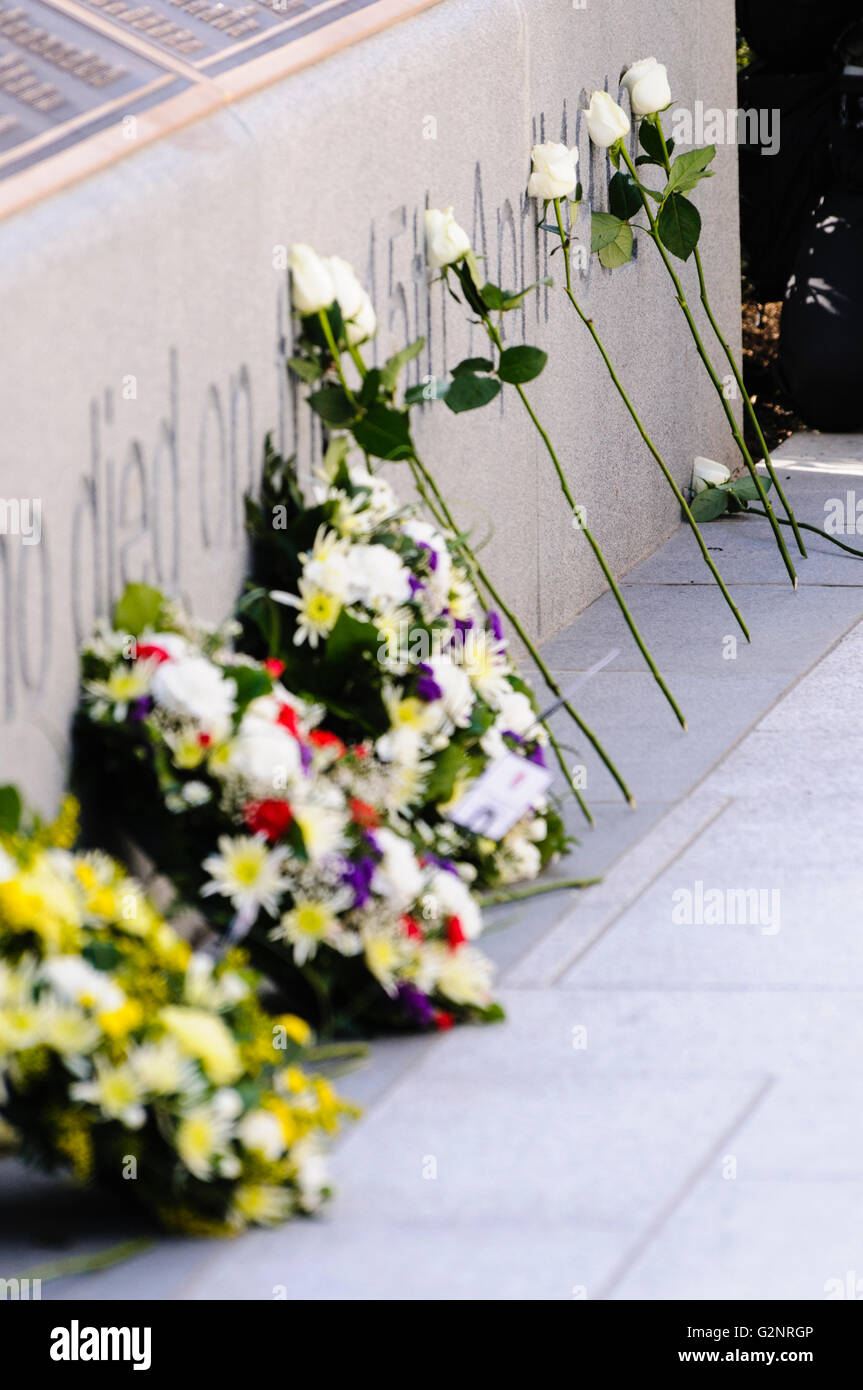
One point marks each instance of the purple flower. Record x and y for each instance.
(428, 688)
(510, 733)
(416, 1005)
(463, 625)
(416, 584)
(493, 620)
(433, 559)
(306, 756)
(139, 709)
(359, 877)
(442, 863)
(537, 756)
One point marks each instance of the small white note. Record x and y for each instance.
(496, 800)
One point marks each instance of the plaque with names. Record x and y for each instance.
(71, 69)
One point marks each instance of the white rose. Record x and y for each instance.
(261, 1133)
(356, 307)
(446, 241)
(554, 173)
(398, 876)
(194, 688)
(647, 84)
(707, 471)
(312, 287)
(606, 122)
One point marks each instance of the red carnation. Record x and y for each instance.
(288, 719)
(411, 927)
(364, 814)
(455, 933)
(270, 818)
(149, 652)
(205, 740)
(274, 667)
(443, 1020)
(322, 738)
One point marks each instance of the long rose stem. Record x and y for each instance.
(669, 477)
(738, 375)
(495, 337)
(702, 352)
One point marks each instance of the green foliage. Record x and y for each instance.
(520, 364)
(679, 226)
(10, 809)
(139, 608)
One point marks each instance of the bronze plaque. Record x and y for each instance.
(71, 68)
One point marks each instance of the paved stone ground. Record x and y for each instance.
(672, 1110)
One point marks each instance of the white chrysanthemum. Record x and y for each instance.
(260, 1131)
(116, 1091)
(388, 953)
(68, 1030)
(247, 873)
(325, 566)
(312, 1172)
(205, 1133)
(464, 975)
(485, 661)
(75, 981)
(122, 687)
(162, 1069)
(318, 611)
(457, 693)
(313, 922)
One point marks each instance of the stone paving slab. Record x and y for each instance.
(579, 1147)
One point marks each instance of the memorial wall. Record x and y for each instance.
(156, 162)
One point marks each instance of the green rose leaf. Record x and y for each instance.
(305, 369)
(473, 364)
(394, 365)
(10, 809)
(624, 198)
(432, 390)
(709, 504)
(384, 433)
(618, 252)
(501, 300)
(679, 226)
(746, 488)
(604, 229)
(332, 404)
(471, 392)
(370, 386)
(519, 364)
(688, 168)
(650, 141)
(138, 608)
